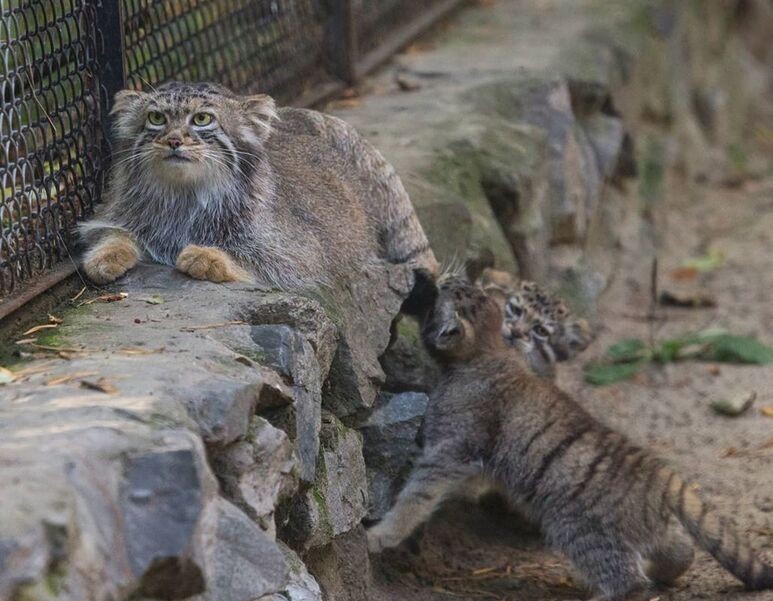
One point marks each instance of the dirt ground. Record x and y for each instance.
(468, 553)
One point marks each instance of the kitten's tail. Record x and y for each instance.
(715, 533)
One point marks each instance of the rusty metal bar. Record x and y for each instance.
(403, 36)
(341, 39)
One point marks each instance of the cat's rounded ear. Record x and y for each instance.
(126, 100)
(260, 109)
(127, 107)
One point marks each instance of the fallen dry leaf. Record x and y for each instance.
(101, 385)
(69, 378)
(346, 103)
(6, 376)
(55, 319)
(485, 570)
(407, 82)
(418, 47)
(34, 369)
(106, 298)
(129, 350)
(767, 411)
(57, 349)
(684, 273)
(213, 325)
(735, 452)
(689, 301)
(45, 326)
(714, 370)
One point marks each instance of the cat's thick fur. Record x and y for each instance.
(228, 188)
(607, 504)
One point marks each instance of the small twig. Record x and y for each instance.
(765, 446)
(213, 325)
(69, 378)
(45, 326)
(105, 298)
(56, 349)
(653, 300)
(140, 351)
(77, 296)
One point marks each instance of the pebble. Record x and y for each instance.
(734, 405)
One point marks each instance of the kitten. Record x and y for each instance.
(607, 504)
(536, 322)
(228, 188)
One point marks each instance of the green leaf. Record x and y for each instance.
(738, 349)
(668, 350)
(631, 349)
(601, 374)
(709, 262)
(706, 335)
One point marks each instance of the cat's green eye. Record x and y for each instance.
(156, 118)
(202, 119)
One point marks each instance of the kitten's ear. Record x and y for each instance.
(260, 110)
(580, 335)
(126, 100)
(423, 294)
(475, 266)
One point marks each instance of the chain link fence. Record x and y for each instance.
(62, 60)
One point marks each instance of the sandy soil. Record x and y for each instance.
(470, 552)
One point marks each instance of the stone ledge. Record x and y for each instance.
(110, 434)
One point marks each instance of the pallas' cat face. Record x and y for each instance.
(182, 135)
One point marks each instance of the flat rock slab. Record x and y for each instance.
(105, 435)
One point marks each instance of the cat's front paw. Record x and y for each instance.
(209, 263)
(110, 259)
(380, 538)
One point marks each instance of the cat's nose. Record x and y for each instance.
(174, 142)
(517, 334)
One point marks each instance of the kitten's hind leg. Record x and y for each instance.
(610, 567)
(670, 559)
(436, 476)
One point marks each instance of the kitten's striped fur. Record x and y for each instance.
(293, 197)
(536, 321)
(604, 502)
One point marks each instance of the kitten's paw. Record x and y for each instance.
(379, 538)
(209, 263)
(110, 259)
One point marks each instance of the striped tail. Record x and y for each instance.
(716, 534)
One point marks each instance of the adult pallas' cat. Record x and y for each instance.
(227, 188)
(618, 512)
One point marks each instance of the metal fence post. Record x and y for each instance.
(341, 40)
(111, 50)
